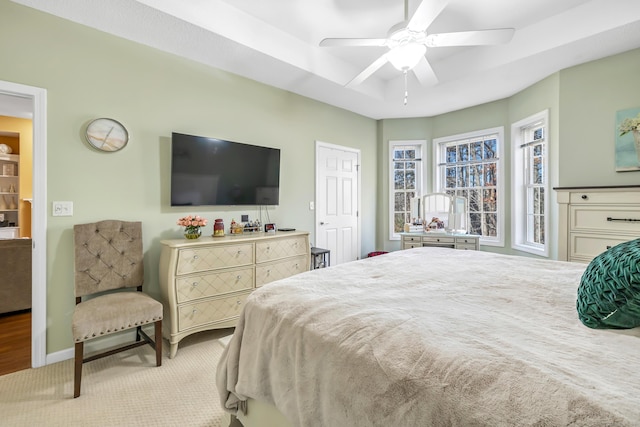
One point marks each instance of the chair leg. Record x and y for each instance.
(77, 374)
(138, 337)
(159, 343)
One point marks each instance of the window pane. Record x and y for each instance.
(398, 165)
(475, 223)
(490, 148)
(490, 174)
(410, 180)
(410, 165)
(409, 195)
(474, 200)
(450, 181)
(541, 200)
(410, 154)
(463, 152)
(489, 200)
(537, 150)
(398, 222)
(537, 170)
(490, 225)
(451, 154)
(476, 150)
(399, 205)
(538, 134)
(463, 176)
(399, 180)
(398, 154)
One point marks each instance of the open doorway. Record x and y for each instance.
(29, 103)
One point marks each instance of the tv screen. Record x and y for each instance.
(210, 171)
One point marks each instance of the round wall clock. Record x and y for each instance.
(107, 134)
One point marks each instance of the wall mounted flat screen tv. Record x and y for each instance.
(209, 171)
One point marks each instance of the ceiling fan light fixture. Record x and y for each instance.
(406, 56)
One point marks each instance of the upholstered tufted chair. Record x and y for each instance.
(108, 257)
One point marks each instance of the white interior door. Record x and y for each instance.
(337, 202)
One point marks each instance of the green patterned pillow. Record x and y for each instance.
(609, 291)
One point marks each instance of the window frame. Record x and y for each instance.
(420, 144)
(439, 151)
(519, 199)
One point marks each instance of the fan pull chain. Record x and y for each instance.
(406, 90)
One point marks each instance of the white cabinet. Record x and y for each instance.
(593, 219)
(443, 240)
(9, 181)
(205, 282)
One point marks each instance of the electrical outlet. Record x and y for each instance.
(62, 208)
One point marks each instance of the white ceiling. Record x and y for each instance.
(276, 42)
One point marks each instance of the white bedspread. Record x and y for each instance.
(432, 337)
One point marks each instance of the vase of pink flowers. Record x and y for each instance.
(192, 225)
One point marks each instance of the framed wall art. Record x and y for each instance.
(627, 136)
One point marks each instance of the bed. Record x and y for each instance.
(429, 337)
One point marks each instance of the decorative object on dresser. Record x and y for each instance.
(205, 282)
(594, 219)
(628, 140)
(192, 226)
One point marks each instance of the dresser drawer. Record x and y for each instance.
(273, 249)
(436, 240)
(411, 245)
(198, 286)
(609, 198)
(585, 246)
(191, 260)
(210, 311)
(417, 239)
(272, 271)
(466, 246)
(609, 219)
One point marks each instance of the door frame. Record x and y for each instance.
(38, 218)
(321, 144)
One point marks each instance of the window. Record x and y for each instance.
(470, 165)
(405, 182)
(530, 184)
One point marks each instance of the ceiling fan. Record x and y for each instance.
(408, 42)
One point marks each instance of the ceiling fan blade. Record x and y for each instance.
(375, 66)
(470, 38)
(425, 14)
(425, 74)
(353, 42)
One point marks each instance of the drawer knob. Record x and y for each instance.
(584, 197)
(608, 246)
(239, 302)
(194, 311)
(238, 277)
(437, 240)
(194, 284)
(195, 257)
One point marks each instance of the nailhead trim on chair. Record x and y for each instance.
(122, 328)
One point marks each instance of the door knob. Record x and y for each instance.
(324, 223)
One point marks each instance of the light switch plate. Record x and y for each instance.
(62, 208)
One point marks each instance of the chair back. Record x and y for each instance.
(108, 255)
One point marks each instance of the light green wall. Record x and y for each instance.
(590, 95)
(89, 74)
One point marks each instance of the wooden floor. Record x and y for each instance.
(15, 342)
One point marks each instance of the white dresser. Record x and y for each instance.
(593, 219)
(445, 240)
(205, 282)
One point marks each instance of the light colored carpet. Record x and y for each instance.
(125, 389)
